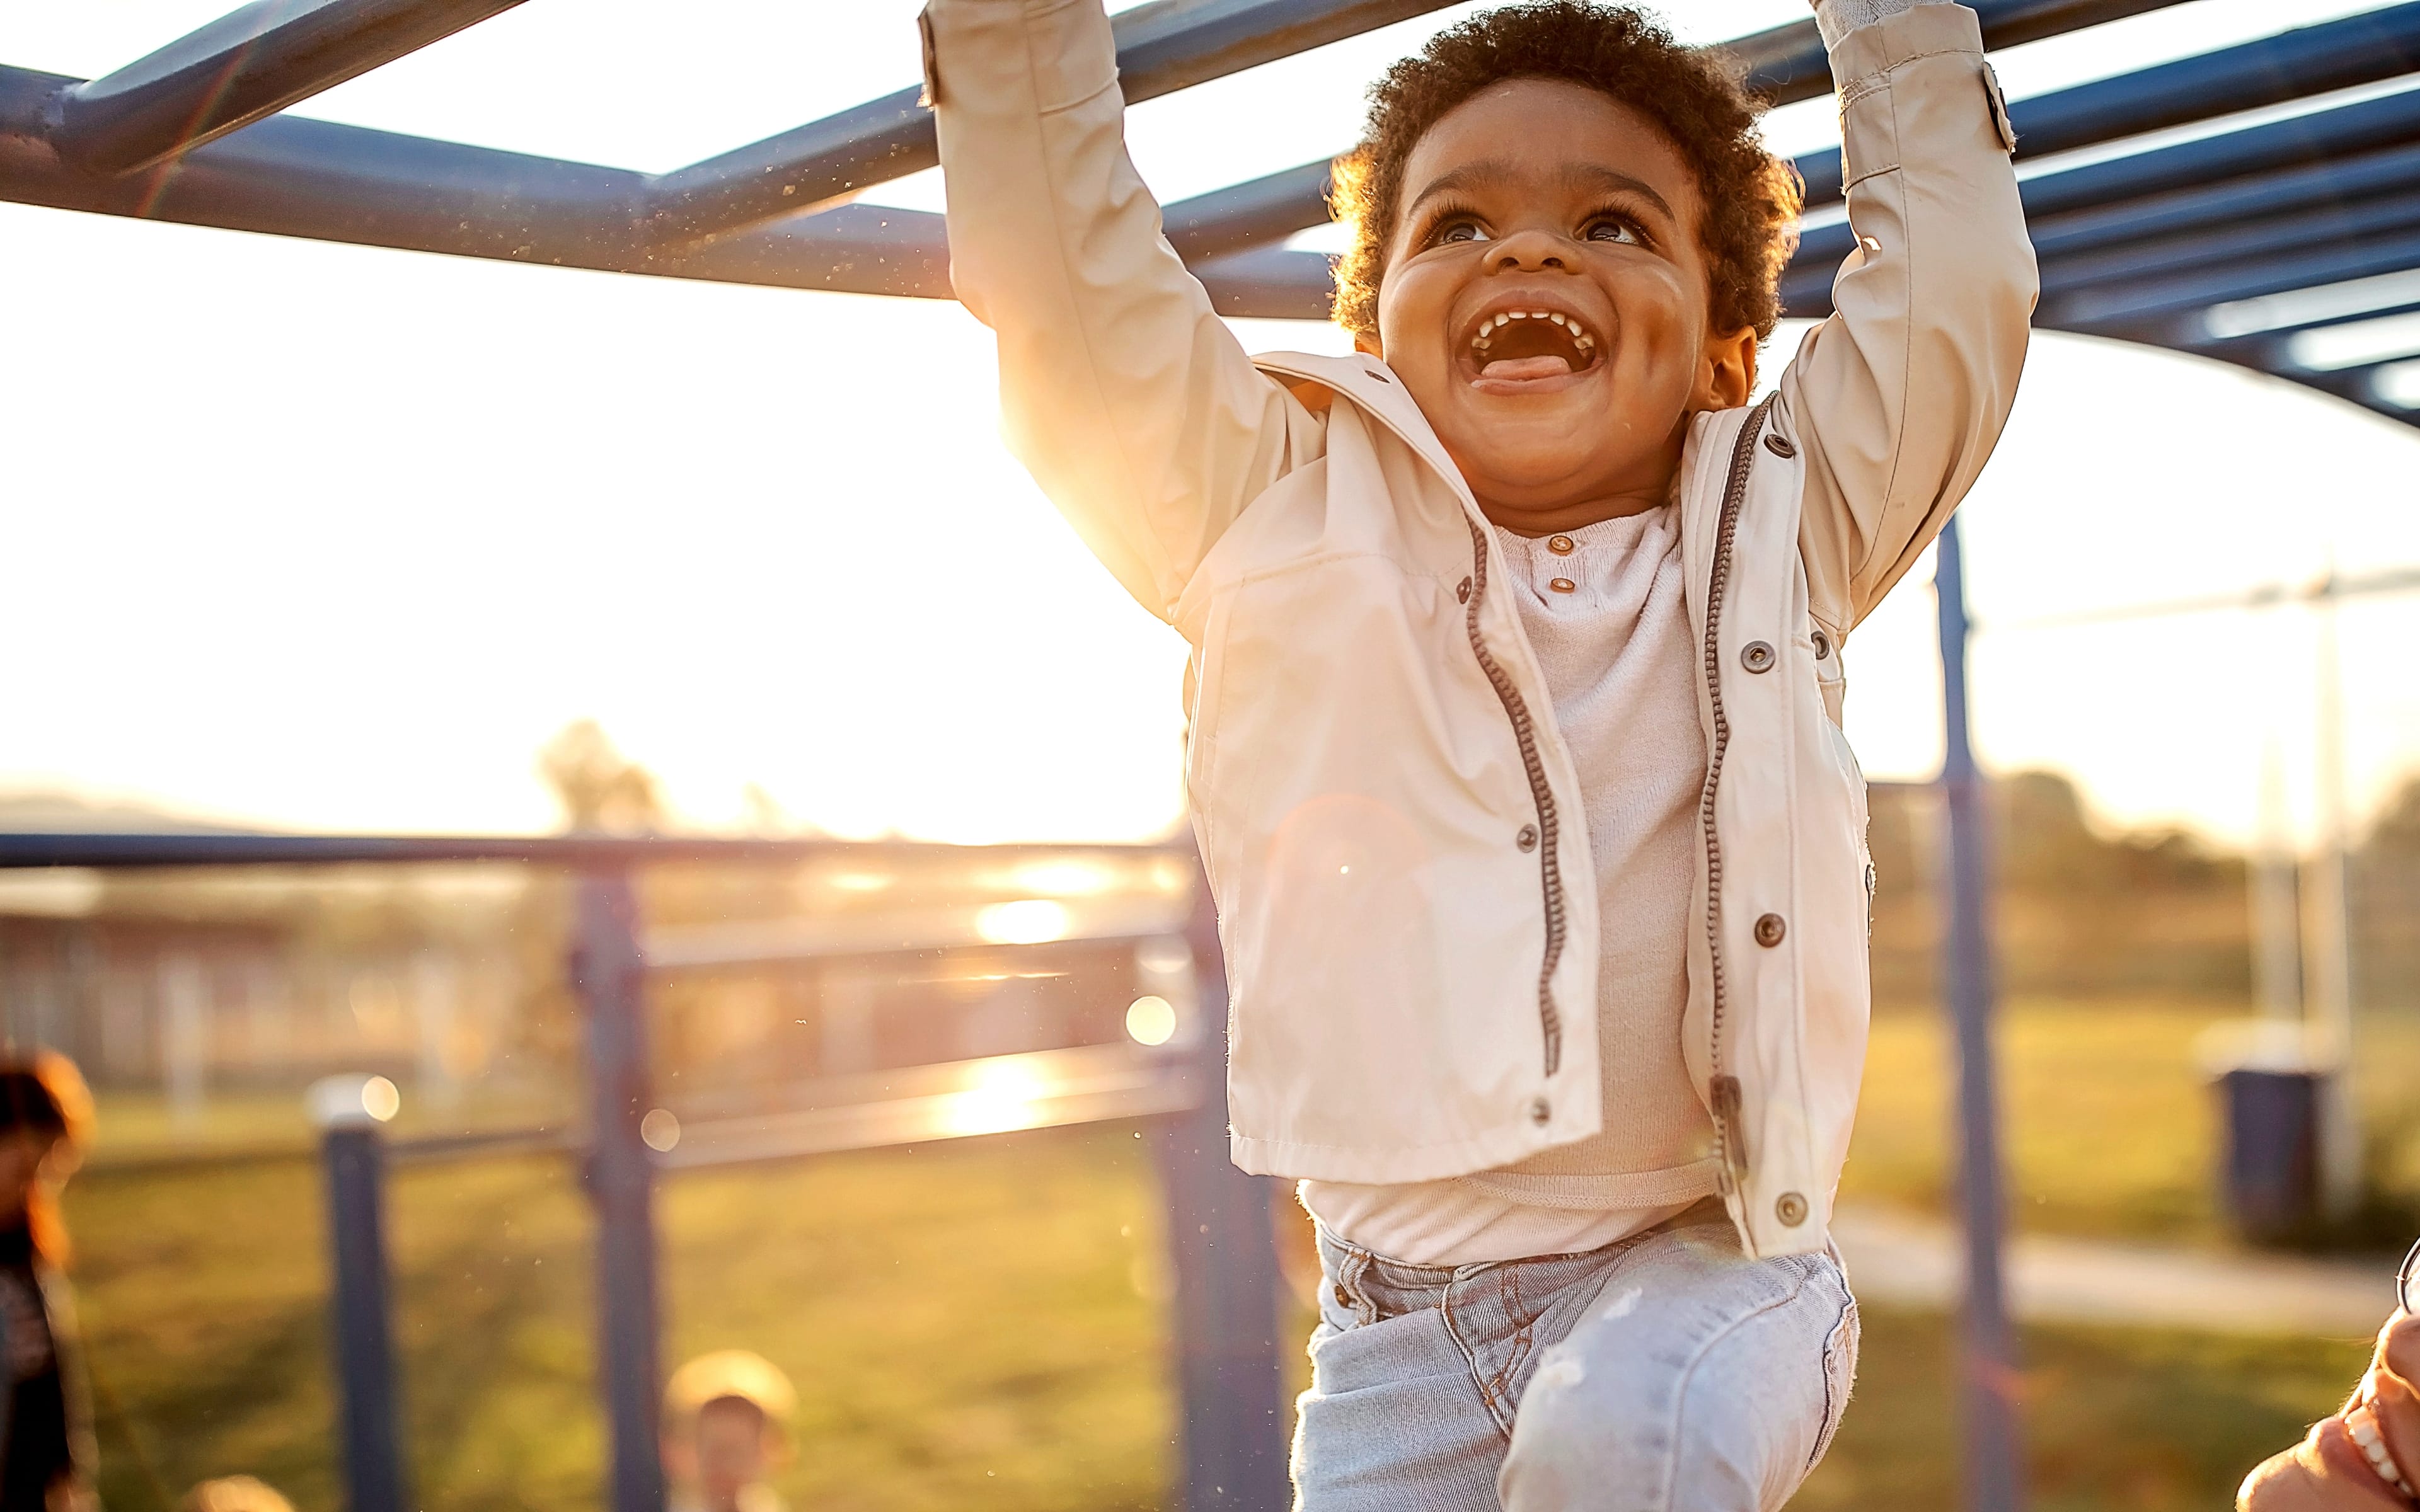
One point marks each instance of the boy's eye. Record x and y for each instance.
(1609, 228)
(1460, 230)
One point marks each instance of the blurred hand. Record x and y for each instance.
(2327, 1471)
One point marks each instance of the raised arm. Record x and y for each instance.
(1899, 395)
(1125, 397)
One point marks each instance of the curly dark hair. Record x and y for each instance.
(1751, 197)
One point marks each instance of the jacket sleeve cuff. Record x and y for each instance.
(1837, 19)
(1864, 61)
(982, 53)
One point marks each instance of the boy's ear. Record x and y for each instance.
(1726, 370)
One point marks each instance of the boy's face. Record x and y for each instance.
(1545, 301)
(728, 1449)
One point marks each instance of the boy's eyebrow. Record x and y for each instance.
(1472, 175)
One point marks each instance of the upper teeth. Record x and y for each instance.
(1487, 329)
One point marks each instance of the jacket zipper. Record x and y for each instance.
(1730, 1134)
(1549, 874)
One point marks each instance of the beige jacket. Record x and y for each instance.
(1390, 820)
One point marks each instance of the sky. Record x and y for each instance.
(335, 537)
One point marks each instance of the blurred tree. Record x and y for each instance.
(600, 788)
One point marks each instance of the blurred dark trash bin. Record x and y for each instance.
(2271, 1083)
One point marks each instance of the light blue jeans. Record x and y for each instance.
(1667, 1373)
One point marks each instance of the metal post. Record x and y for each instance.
(2327, 952)
(1223, 1242)
(354, 1160)
(606, 971)
(1995, 1454)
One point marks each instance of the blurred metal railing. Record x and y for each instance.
(1220, 1227)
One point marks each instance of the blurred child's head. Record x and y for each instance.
(724, 1420)
(45, 1120)
(1566, 236)
(234, 1493)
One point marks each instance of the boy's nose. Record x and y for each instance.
(1529, 252)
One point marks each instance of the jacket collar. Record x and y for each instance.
(1374, 388)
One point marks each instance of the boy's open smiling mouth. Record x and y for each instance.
(1528, 348)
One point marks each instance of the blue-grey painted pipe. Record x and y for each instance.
(43, 849)
(2348, 153)
(249, 63)
(2189, 260)
(1222, 1243)
(606, 971)
(1162, 47)
(353, 1165)
(1993, 1464)
(2295, 65)
(2195, 269)
(2161, 307)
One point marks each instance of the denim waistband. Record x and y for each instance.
(1375, 1286)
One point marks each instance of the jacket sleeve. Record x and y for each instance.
(1899, 397)
(1121, 390)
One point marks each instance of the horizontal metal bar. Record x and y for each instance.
(2345, 153)
(2315, 222)
(440, 1150)
(1787, 64)
(2271, 350)
(1001, 1094)
(1162, 47)
(2154, 308)
(2321, 136)
(1249, 214)
(1270, 284)
(211, 849)
(252, 63)
(1091, 923)
(2294, 65)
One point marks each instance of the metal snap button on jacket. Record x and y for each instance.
(1528, 839)
(1539, 1113)
(1778, 446)
(1560, 544)
(1791, 1209)
(1343, 1297)
(1769, 929)
(1462, 591)
(1757, 655)
(1564, 585)
(1823, 646)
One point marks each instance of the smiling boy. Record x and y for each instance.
(1515, 752)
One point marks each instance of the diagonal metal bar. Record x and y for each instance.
(1787, 64)
(2156, 307)
(2324, 159)
(2322, 136)
(2271, 350)
(246, 65)
(2316, 221)
(2295, 65)
(1162, 47)
(1248, 214)
(2229, 223)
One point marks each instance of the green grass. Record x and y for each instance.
(2107, 1124)
(2114, 1418)
(966, 1324)
(971, 1324)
